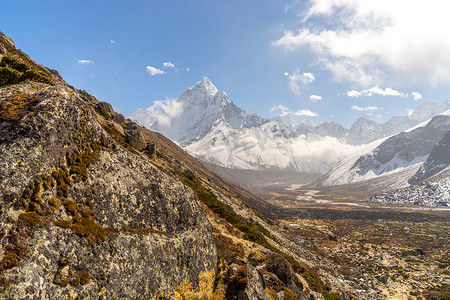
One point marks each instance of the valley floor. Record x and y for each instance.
(397, 252)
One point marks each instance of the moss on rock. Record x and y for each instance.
(14, 70)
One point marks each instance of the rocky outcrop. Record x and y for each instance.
(5, 43)
(82, 216)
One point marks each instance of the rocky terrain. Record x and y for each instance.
(383, 259)
(94, 206)
(365, 130)
(81, 215)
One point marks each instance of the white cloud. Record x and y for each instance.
(112, 41)
(376, 91)
(379, 116)
(409, 111)
(354, 94)
(358, 108)
(164, 111)
(188, 69)
(283, 110)
(298, 81)
(416, 95)
(86, 62)
(305, 112)
(168, 64)
(315, 97)
(154, 71)
(280, 110)
(380, 92)
(373, 42)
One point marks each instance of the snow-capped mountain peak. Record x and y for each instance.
(428, 109)
(404, 151)
(206, 123)
(287, 120)
(204, 90)
(189, 118)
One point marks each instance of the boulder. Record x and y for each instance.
(136, 139)
(151, 148)
(255, 285)
(119, 118)
(278, 265)
(105, 109)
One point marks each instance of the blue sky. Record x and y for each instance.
(326, 59)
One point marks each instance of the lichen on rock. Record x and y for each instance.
(69, 192)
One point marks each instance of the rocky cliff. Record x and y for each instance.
(80, 214)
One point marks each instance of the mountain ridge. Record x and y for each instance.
(403, 150)
(211, 127)
(231, 137)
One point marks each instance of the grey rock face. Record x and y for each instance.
(438, 159)
(255, 286)
(118, 128)
(80, 216)
(119, 118)
(6, 39)
(363, 131)
(331, 129)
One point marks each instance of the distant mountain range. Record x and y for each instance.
(210, 126)
(407, 149)
(206, 123)
(365, 130)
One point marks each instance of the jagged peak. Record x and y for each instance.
(364, 119)
(309, 122)
(206, 86)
